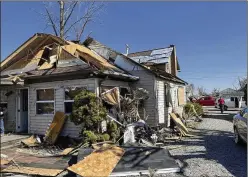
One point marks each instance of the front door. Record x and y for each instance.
(22, 111)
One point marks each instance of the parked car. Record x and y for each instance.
(206, 101)
(232, 102)
(240, 126)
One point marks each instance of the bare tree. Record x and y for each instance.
(240, 83)
(69, 20)
(201, 91)
(216, 92)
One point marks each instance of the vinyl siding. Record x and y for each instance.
(39, 123)
(147, 81)
(160, 101)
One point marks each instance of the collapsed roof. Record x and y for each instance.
(46, 54)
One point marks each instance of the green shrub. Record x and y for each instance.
(198, 108)
(89, 136)
(103, 137)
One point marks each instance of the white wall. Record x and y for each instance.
(38, 124)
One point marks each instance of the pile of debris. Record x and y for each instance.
(133, 153)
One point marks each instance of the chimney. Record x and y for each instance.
(127, 49)
(173, 61)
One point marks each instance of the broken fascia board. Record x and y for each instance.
(133, 173)
(71, 62)
(110, 117)
(120, 74)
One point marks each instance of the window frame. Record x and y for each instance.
(45, 101)
(71, 101)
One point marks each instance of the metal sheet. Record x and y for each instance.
(162, 51)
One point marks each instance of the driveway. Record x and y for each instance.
(212, 152)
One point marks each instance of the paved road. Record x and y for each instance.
(211, 153)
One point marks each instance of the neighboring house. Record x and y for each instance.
(157, 71)
(40, 74)
(234, 98)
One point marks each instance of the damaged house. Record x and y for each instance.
(157, 70)
(39, 76)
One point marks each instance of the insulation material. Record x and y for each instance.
(99, 163)
(181, 96)
(32, 171)
(55, 128)
(30, 142)
(112, 96)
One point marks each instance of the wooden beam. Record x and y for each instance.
(18, 50)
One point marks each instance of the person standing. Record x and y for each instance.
(221, 104)
(1, 121)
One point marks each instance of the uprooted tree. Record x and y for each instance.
(73, 16)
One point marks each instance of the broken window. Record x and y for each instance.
(70, 94)
(45, 101)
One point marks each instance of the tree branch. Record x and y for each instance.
(74, 5)
(52, 22)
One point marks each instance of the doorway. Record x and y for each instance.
(236, 102)
(22, 111)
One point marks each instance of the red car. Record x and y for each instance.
(206, 101)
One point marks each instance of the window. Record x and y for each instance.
(45, 101)
(232, 98)
(70, 94)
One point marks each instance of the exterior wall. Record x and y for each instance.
(147, 81)
(174, 100)
(160, 104)
(38, 124)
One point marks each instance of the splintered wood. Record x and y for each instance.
(55, 128)
(181, 127)
(99, 163)
(32, 171)
(30, 142)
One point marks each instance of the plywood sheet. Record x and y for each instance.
(66, 151)
(179, 123)
(4, 161)
(55, 128)
(99, 163)
(181, 96)
(32, 171)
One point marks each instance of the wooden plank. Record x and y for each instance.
(32, 171)
(55, 128)
(179, 123)
(99, 163)
(181, 96)
(30, 142)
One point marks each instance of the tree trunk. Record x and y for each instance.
(62, 20)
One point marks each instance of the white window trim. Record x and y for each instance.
(45, 101)
(72, 101)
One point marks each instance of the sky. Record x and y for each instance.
(210, 37)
